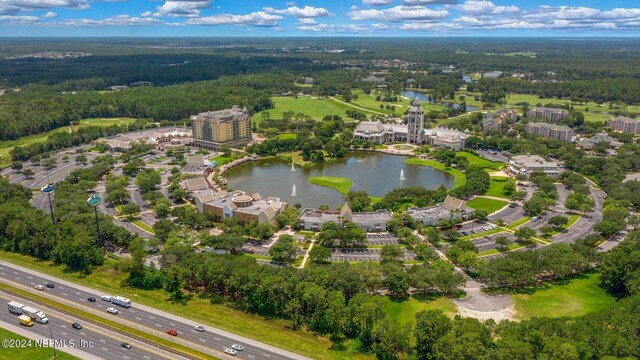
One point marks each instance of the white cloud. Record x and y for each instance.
(429, 2)
(258, 18)
(118, 20)
(483, 7)
(50, 15)
(19, 20)
(17, 6)
(182, 8)
(305, 12)
(398, 13)
(376, 2)
(307, 21)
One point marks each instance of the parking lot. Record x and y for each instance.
(382, 239)
(363, 255)
(488, 242)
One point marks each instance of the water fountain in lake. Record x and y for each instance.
(293, 167)
(402, 174)
(293, 191)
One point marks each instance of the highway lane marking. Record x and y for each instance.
(65, 294)
(172, 324)
(158, 325)
(145, 356)
(82, 333)
(102, 341)
(64, 326)
(63, 333)
(137, 318)
(217, 338)
(203, 340)
(251, 356)
(105, 349)
(125, 356)
(265, 355)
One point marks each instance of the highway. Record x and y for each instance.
(213, 341)
(90, 342)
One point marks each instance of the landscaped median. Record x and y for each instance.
(339, 184)
(109, 324)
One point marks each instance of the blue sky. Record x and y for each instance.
(319, 18)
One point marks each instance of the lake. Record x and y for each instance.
(375, 173)
(423, 97)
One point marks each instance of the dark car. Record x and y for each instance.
(91, 299)
(76, 326)
(126, 345)
(50, 285)
(172, 332)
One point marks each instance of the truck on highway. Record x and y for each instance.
(35, 314)
(25, 320)
(119, 300)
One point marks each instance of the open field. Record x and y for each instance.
(496, 186)
(490, 205)
(476, 160)
(577, 297)
(286, 136)
(317, 108)
(29, 353)
(460, 177)
(271, 331)
(405, 311)
(339, 184)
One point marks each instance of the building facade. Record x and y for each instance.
(624, 124)
(239, 205)
(451, 209)
(551, 114)
(550, 131)
(230, 127)
(415, 122)
(527, 164)
(313, 219)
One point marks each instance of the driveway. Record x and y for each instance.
(481, 306)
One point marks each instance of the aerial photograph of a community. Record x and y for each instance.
(320, 179)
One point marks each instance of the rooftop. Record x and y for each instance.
(532, 161)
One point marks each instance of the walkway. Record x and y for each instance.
(357, 107)
(482, 306)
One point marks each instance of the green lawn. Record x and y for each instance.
(317, 108)
(518, 222)
(221, 159)
(339, 184)
(490, 205)
(28, 353)
(476, 160)
(405, 311)
(460, 177)
(143, 226)
(286, 136)
(271, 331)
(577, 297)
(496, 186)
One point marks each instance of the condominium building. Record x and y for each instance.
(527, 164)
(550, 131)
(624, 124)
(230, 127)
(313, 219)
(551, 114)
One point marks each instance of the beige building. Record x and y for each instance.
(550, 114)
(550, 131)
(313, 219)
(239, 205)
(230, 127)
(451, 209)
(527, 164)
(624, 124)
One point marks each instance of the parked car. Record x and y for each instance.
(512, 205)
(126, 345)
(50, 285)
(106, 298)
(535, 218)
(39, 287)
(91, 299)
(237, 347)
(172, 332)
(200, 328)
(230, 351)
(112, 311)
(76, 326)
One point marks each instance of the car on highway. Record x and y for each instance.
(237, 347)
(112, 311)
(50, 285)
(39, 287)
(230, 351)
(91, 299)
(126, 345)
(76, 326)
(200, 328)
(106, 298)
(172, 332)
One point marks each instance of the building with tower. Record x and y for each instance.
(213, 129)
(415, 122)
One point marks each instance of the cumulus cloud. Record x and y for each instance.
(258, 18)
(484, 8)
(50, 15)
(19, 20)
(398, 13)
(182, 8)
(343, 28)
(305, 12)
(118, 20)
(429, 2)
(376, 2)
(17, 6)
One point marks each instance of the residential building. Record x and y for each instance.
(590, 143)
(550, 114)
(451, 209)
(415, 122)
(491, 125)
(550, 131)
(527, 164)
(238, 205)
(624, 124)
(230, 127)
(313, 219)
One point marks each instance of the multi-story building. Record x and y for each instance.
(491, 125)
(238, 205)
(230, 127)
(527, 164)
(450, 209)
(551, 114)
(378, 133)
(313, 219)
(415, 122)
(590, 143)
(624, 124)
(550, 131)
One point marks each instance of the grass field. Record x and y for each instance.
(286, 136)
(28, 353)
(577, 297)
(476, 160)
(339, 184)
(460, 177)
(490, 205)
(221, 160)
(496, 186)
(316, 108)
(271, 331)
(405, 311)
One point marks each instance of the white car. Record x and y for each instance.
(112, 311)
(39, 287)
(200, 328)
(237, 347)
(230, 351)
(106, 298)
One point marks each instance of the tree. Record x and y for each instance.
(130, 210)
(319, 254)
(525, 233)
(173, 282)
(162, 228)
(225, 150)
(546, 230)
(391, 254)
(133, 166)
(468, 259)
(147, 180)
(179, 194)
(425, 253)
(284, 249)
(535, 205)
(358, 201)
(503, 242)
(397, 282)
(117, 196)
(28, 173)
(163, 207)
(16, 166)
(480, 214)
(558, 220)
(81, 159)
(391, 340)
(229, 242)
(431, 325)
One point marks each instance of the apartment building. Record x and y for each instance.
(550, 131)
(626, 125)
(550, 114)
(213, 129)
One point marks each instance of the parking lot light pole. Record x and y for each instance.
(48, 190)
(94, 201)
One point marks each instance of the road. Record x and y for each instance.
(90, 342)
(153, 321)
